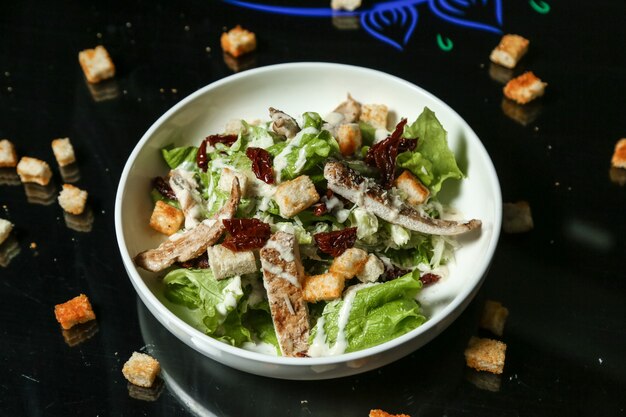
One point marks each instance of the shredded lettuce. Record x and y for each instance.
(379, 313)
(174, 157)
(432, 161)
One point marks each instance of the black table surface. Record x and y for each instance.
(563, 282)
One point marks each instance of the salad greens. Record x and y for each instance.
(235, 310)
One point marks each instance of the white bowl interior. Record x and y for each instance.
(296, 88)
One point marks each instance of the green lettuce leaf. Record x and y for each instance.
(312, 119)
(379, 313)
(157, 196)
(174, 157)
(255, 137)
(432, 161)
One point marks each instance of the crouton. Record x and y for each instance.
(416, 193)
(34, 170)
(226, 180)
(509, 51)
(349, 109)
(350, 263)
(296, 195)
(8, 156)
(75, 311)
(372, 269)
(323, 287)
(63, 151)
(517, 217)
(619, 155)
(72, 199)
(494, 317)
(485, 355)
(381, 413)
(349, 138)
(141, 369)
(225, 263)
(349, 5)
(238, 41)
(375, 115)
(97, 64)
(5, 229)
(524, 88)
(166, 219)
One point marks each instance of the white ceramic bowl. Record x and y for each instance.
(296, 88)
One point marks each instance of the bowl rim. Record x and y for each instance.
(148, 296)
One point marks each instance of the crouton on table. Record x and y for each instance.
(525, 88)
(8, 156)
(141, 369)
(96, 64)
(619, 155)
(509, 51)
(485, 355)
(63, 151)
(34, 170)
(238, 41)
(75, 311)
(72, 199)
(381, 413)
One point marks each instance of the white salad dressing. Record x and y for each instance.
(280, 161)
(279, 272)
(261, 347)
(184, 186)
(380, 135)
(284, 252)
(232, 290)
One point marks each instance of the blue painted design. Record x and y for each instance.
(394, 22)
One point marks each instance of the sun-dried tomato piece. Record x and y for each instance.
(429, 278)
(383, 154)
(163, 188)
(393, 272)
(227, 140)
(201, 158)
(261, 164)
(245, 234)
(335, 243)
(201, 262)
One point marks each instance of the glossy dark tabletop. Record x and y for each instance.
(564, 282)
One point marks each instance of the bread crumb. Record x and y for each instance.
(75, 311)
(141, 369)
(485, 355)
(33, 245)
(72, 199)
(238, 41)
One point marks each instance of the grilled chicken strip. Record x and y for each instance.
(282, 278)
(351, 110)
(192, 243)
(372, 197)
(184, 187)
(284, 124)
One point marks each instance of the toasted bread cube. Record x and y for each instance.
(34, 170)
(141, 369)
(349, 138)
(372, 269)
(323, 287)
(166, 219)
(75, 311)
(350, 263)
(225, 263)
(97, 64)
(381, 413)
(525, 88)
(72, 199)
(485, 355)
(375, 115)
(8, 156)
(5, 229)
(517, 217)
(226, 181)
(509, 51)
(416, 192)
(619, 156)
(349, 5)
(63, 151)
(494, 317)
(296, 195)
(238, 41)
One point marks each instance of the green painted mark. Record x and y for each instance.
(445, 44)
(540, 6)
